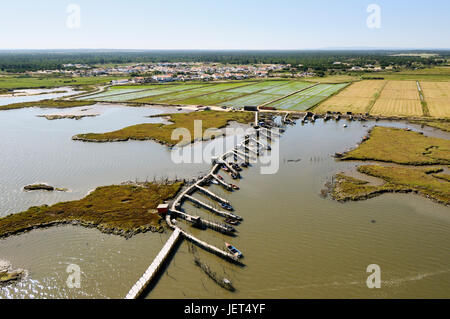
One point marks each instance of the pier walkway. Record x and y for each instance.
(212, 195)
(153, 269)
(175, 211)
(212, 209)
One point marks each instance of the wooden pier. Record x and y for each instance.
(175, 211)
(155, 266)
(249, 149)
(212, 195)
(212, 209)
(199, 222)
(223, 183)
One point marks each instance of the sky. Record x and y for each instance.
(224, 25)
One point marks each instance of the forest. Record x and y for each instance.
(17, 61)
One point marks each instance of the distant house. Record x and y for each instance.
(120, 82)
(163, 78)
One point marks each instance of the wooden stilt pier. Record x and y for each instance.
(212, 209)
(196, 220)
(212, 195)
(155, 266)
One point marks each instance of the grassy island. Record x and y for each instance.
(162, 133)
(411, 149)
(429, 182)
(61, 104)
(119, 209)
(386, 144)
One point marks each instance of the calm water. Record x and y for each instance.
(296, 244)
(36, 95)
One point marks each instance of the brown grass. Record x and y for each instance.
(118, 208)
(394, 145)
(163, 133)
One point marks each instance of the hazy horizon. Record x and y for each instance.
(232, 25)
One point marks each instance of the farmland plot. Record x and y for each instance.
(146, 93)
(259, 87)
(178, 97)
(107, 93)
(398, 98)
(437, 96)
(356, 98)
(288, 88)
(251, 100)
(211, 99)
(308, 98)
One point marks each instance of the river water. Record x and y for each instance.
(296, 243)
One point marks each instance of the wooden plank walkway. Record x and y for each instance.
(196, 220)
(212, 195)
(212, 209)
(155, 266)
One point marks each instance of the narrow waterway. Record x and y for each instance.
(296, 243)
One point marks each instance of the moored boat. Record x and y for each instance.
(232, 221)
(234, 250)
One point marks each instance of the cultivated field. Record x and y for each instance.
(437, 96)
(308, 98)
(117, 96)
(356, 98)
(233, 94)
(398, 98)
(178, 96)
(251, 100)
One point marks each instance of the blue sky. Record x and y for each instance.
(220, 24)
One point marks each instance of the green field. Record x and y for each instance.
(259, 87)
(229, 94)
(288, 88)
(178, 97)
(25, 82)
(138, 95)
(251, 100)
(211, 99)
(308, 98)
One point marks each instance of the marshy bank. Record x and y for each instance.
(119, 209)
(418, 156)
(162, 133)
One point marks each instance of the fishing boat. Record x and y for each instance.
(220, 177)
(233, 250)
(232, 221)
(215, 182)
(227, 206)
(236, 167)
(234, 187)
(225, 168)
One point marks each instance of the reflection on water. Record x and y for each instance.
(296, 244)
(34, 95)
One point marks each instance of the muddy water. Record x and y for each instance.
(296, 244)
